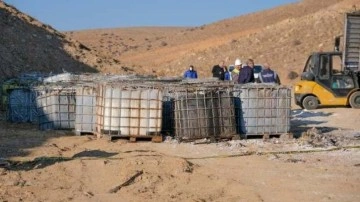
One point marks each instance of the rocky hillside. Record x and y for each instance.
(283, 36)
(29, 45)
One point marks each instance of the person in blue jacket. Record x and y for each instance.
(227, 74)
(190, 73)
(246, 74)
(267, 75)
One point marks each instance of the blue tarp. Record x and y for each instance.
(22, 106)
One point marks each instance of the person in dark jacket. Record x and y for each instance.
(190, 73)
(267, 75)
(246, 74)
(219, 70)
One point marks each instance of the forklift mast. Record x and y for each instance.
(351, 52)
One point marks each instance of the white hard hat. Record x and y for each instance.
(238, 61)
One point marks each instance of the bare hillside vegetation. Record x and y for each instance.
(29, 45)
(283, 36)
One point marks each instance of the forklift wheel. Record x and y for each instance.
(310, 102)
(355, 100)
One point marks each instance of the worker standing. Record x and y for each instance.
(267, 75)
(246, 74)
(190, 73)
(218, 71)
(235, 72)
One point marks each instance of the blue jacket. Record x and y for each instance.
(246, 75)
(227, 76)
(268, 76)
(190, 74)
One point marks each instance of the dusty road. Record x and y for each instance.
(57, 166)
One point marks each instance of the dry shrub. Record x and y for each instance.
(163, 43)
(296, 42)
(292, 75)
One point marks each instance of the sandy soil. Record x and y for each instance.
(322, 165)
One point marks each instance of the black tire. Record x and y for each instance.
(354, 100)
(310, 102)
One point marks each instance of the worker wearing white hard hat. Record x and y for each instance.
(236, 71)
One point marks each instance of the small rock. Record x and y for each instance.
(168, 139)
(291, 160)
(202, 141)
(357, 135)
(286, 136)
(88, 194)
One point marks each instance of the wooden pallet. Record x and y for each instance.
(268, 136)
(135, 138)
(77, 133)
(210, 139)
(229, 137)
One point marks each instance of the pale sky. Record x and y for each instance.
(66, 15)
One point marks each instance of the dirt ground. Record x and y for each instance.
(322, 165)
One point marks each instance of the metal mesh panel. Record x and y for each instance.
(168, 116)
(133, 106)
(22, 106)
(204, 113)
(85, 109)
(262, 109)
(56, 107)
(129, 110)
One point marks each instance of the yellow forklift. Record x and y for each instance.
(333, 78)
